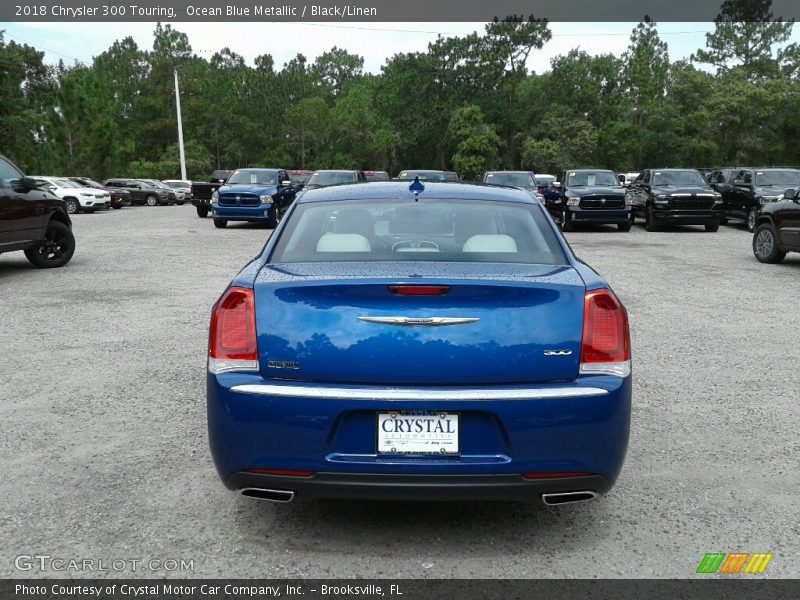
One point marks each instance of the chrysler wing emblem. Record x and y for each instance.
(419, 321)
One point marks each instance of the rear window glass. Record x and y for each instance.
(440, 231)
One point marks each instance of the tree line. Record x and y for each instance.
(466, 104)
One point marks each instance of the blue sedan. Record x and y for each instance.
(423, 342)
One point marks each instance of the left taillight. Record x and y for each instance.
(232, 336)
(606, 347)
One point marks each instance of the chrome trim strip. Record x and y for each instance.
(420, 321)
(351, 393)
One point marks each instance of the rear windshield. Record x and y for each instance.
(332, 178)
(434, 231)
(544, 179)
(512, 179)
(377, 176)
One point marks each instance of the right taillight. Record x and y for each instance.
(606, 347)
(232, 335)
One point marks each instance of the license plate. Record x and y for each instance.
(418, 432)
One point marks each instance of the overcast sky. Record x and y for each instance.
(374, 41)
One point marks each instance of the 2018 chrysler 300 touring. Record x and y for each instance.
(437, 341)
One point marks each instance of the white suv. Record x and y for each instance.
(77, 197)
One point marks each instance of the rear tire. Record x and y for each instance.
(151, 200)
(55, 250)
(117, 206)
(765, 245)
(566, 222)
(220, 223)
(202, 212)
(712, 227)
(650, 223)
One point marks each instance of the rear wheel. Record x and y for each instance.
(712, 227)
(117, 206)
(72, 205)
(202, 212)
(751, 219)
(55, 250)
(650, 223)
(220, 223)
(765, 245)
(151, 200)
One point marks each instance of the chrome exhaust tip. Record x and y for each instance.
(568, 497)
(282, 496)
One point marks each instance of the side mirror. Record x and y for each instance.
(789, 194)
(29, 183)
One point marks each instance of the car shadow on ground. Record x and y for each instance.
(674, 228)
(246, 225)
(367, 527)
(579, 228)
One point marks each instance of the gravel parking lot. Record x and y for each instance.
(105, 452)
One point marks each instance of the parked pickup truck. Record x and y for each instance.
(593, 197)
(675, 197)
(255, 195)
(746, 190)
(203, 191)
(33, 220)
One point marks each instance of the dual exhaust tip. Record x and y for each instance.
(284, 496)
(281, 496)
(568, 497)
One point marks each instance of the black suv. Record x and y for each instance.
(33, 220)
(778, 228)
(677, 197)
(746, 189)
(142, 192)
(593, 196)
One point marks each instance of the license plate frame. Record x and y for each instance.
(418, 443)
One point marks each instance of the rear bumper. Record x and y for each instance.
(580, 426)
(369, 486)
(262, 212)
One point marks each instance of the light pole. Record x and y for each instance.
(180, 126)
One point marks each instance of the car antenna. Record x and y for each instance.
(416, 187)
